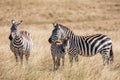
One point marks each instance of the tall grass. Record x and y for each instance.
(84, 17)
(40, 65)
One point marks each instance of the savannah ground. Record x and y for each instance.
(84, 17)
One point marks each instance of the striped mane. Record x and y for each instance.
(66, 29)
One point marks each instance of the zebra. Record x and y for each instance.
(84, 45)
(20, 42)
(58, 51)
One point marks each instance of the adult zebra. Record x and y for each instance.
(20, 42)
(84, 45)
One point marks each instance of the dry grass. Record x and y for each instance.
(84, 17)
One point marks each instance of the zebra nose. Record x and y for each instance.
(10, 37)
(50, 40)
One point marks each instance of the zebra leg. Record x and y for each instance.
(54, 62)
(21, 57)
(76, 58)
(71, 60)
(16, 57)
(27, 56)
(63, 60)
(105, 58)
(111, 55)
(58, 62)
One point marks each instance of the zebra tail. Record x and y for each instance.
(111, 55)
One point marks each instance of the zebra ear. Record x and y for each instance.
(67, 38)
(12, 21)
(19, 23)
(59, 27)
(55, 24)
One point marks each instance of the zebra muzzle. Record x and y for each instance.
(58, 42)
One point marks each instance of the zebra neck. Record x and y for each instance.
(69, 34)
(18, 40)
(76, 40)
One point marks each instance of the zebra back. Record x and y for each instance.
(26, 34)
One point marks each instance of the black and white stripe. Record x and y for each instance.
(84, 45)
(58, 52)
(20, 42)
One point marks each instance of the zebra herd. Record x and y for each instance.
(63, 41)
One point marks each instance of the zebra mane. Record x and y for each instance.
(66, 28)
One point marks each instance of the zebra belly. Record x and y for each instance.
(84, 54)
(60, 54)
(21, 48)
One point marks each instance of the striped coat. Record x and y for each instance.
(20, 42)
(84, 45)
(58, 51)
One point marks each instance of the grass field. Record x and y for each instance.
(84, 17)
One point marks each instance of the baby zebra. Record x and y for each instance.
(20, 42)
(59, 51)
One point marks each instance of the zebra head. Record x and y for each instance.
(14, 29)
(65, 43)
(58, 33)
